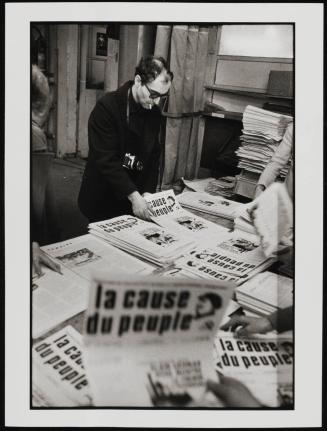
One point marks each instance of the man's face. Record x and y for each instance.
(149, 94)
(204, 306)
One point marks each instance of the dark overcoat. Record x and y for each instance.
(106, 183)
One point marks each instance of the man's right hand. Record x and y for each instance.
(233, 393)
(39, 257)
(140, 207)
(246, 325)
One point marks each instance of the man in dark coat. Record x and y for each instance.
(123, 133)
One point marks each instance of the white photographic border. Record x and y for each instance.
(308, 19)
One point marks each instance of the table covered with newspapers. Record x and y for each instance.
(140, 305)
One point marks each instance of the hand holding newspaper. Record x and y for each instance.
(263, 363)
(272, 215)
(149, 341)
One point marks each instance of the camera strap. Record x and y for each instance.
(127, 106)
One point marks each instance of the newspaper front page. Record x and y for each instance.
(149, 341)
(55, 298)
(230, 257)
(59, 377)
(215, 205)
(86, 254)
(143, 239)
(264, 363)
(168, 213)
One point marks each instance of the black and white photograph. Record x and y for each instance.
(161, 177)
(158, 236)
(79, 257)
(101, 44)
(238, 245)
(190, 223)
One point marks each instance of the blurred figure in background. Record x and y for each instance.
(278, 161)
(41, 162)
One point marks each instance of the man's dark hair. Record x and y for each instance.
(150, 67)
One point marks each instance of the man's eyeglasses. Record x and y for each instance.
(155, 95)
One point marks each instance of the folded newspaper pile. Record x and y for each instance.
(264, 363)
(58, 375)
(223, 186)
(168, 213)
(57, 297)
(262, 132)
(215, 205)
(234, 257)
(143, 239)
(149, 340)
(265, 293)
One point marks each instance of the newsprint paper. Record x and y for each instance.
(167, 212)
(215, 205)
(263, 363)
(59, 377)
(149, 341)
(231, 257)
(143, 239)
(270, 216)
(59, 296)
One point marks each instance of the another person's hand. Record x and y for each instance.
(39, 257)
(248, 325)
(233, 393)
(140, 207)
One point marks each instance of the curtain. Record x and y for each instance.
(186, 48)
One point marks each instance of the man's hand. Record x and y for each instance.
(233, 393)
(248, 325)
(140, 207)
(39, 257)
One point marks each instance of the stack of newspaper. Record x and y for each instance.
(263, 363)
(265, 293)
(215, 205)
(234, 257)
(58, 375)
(262, 132)
(168, 213)
(143, 239)
(59, 296)
(223, 186)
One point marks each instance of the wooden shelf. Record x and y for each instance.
(227, 115)
(247, 93)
